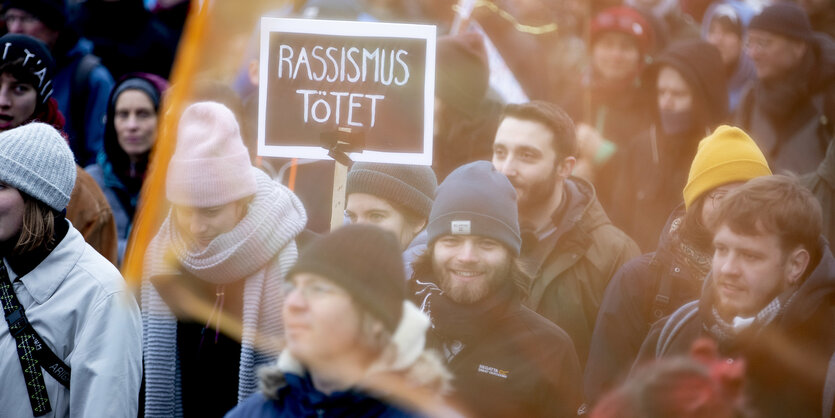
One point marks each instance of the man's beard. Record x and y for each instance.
(471, 292)
(537, 193)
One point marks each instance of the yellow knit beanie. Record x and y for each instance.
(727, 155)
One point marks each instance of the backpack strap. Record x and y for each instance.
(661, 302)
(32, 351)
(674, 325)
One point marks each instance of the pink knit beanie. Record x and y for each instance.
(210, 165)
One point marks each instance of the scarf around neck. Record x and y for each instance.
(260, 249)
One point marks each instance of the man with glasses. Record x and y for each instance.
(789, 109)
(654, 285)
(81, 83)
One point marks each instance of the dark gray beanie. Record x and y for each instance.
(475, 199)
(365, 260)
(36, 160)
(786, 19)
(410, 186)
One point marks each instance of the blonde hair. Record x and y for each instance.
(38, 227)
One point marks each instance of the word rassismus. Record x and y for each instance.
(351, 64)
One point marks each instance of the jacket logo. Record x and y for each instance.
(492, 371)
(460, 227)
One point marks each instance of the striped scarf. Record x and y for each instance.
(260, 250)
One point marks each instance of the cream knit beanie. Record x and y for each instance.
(210, 165)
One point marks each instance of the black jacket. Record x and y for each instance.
(513, 361)
(630, 307)
(786, 360)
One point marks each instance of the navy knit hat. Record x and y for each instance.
(36, 59)
(410, 186)
(475, 199)
(366, 261)
(52, 13)
(786, 19)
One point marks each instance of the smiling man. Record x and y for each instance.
(570, 241)
(506, 359)
(767, 299)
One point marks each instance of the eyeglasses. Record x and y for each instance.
(24, 19)
(716, 197)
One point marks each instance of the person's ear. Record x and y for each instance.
(796, 264)
(566, 166)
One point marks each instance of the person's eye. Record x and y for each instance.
(22, 89)
(351, 217)
(377, 217)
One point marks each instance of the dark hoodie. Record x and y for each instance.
(786, 359)
(653, 170)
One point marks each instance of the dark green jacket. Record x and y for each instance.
(575, 263)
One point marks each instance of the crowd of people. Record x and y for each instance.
(644, 234)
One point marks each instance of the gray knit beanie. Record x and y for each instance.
(36, 160)
(410, 186)
(475, 199)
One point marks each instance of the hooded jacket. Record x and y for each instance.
(629, 307)
(792, 119)
(575, 262)
(655, 167)
(112, 168)
(788, 356)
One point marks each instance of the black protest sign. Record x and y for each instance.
(375, 80)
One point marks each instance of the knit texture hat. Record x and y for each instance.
(36, 160)
(37, 61)
(410, 186)
(462, 71)
(52, 13)
(210, 165)
(365, 260)
(728, 155)
(784, 18)
(475, 199)
(625, 20)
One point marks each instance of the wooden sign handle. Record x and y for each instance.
(340, 176)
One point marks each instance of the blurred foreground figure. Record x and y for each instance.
(355, 345)
(767, 299)
(212, 278)
(71, 341)
(506, 359)
(652, 286)
(705, 386)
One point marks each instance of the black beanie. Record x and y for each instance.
(786, 19)
(36, 59)
(475, 199)
(366, 261)
(410, 186)
(52, 13)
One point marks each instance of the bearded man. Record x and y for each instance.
(567, 238)
(506, 360)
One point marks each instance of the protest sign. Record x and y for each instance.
(320, 77)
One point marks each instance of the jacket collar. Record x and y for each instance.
(42, 281)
